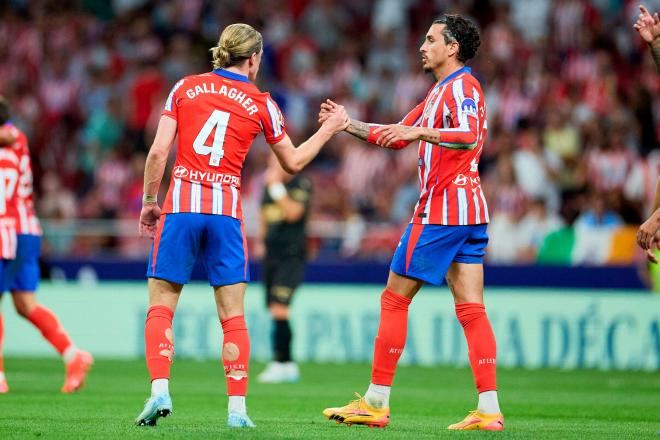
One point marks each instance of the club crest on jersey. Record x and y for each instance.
(180, 172)
(469, 106)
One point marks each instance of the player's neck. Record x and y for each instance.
(241, 70)
(447, 69)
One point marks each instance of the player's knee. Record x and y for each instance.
(24, 305)
(403, 286)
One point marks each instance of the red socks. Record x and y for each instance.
(481, 344)
(160, 348)
(50, 328)
(391, 337)
(2, 339)
(159, 341)
(235, 354)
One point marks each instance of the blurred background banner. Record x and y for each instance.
(337, 323)
(569, 168)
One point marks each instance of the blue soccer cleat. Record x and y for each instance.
(238, 420)
(154, 407)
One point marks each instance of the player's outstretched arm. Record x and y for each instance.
(293, 159)
(153, 174)
(395, 135)
(370, 132)
(648, 27)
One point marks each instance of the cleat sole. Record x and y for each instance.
(163, 412)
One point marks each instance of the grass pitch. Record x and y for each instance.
(537, 404)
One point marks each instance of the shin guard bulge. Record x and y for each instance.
(159, 341)
(236, 354)
(391, 337)
(482, 349)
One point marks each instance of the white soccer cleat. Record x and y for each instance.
(280, 372)
(154, 408)
(239, 420)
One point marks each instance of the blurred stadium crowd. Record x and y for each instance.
(570, 89)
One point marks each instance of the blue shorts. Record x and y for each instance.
(22, 274)
(182, 237)
(425, 252)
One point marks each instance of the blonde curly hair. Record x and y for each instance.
(237, 43)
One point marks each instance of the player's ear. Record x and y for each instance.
(454, 47)
(254, 59)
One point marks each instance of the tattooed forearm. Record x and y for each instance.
(358, 129)
(431, 136)
(655, 51)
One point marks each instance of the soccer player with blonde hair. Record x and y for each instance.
(216, 116)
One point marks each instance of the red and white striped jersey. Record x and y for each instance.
(27, 221)
(9, 175)
(218, 114)
(448, 173)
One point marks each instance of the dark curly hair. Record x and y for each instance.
(462, 30)
(4, 110)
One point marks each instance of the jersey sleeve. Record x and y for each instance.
(412, 119)
(414, 116)
(172, 104)
(272, 122)
(463, 104)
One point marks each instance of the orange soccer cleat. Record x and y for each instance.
(76, 372)
(477, 421)
(359, 412)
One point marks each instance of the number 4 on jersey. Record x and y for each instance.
(218, 120)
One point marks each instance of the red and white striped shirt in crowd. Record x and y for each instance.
(609, 169)
(448, 173)
(218, 116)
(27, 221)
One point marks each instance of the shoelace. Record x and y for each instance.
(357, 402)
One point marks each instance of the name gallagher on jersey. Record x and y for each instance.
(230, 92)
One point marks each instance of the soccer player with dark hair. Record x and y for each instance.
(282, 242)
(215, 116)
(446, 237)
(20, 275)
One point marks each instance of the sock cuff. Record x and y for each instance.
(37, 310)
(467, 312)
(390, 300)
(470, 307)
(233, 324)
(160, 312)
